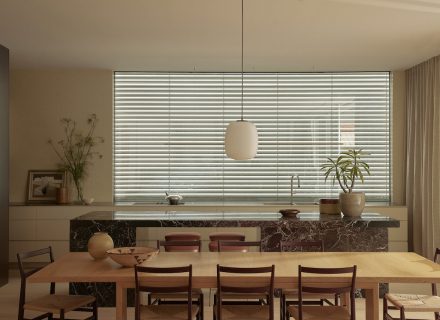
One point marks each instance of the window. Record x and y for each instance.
(169, 128)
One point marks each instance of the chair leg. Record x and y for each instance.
(281, 307)
(402, 314)
(149, 299)
(95, 310)
(62, 315)
(20, 313)
(201, 307)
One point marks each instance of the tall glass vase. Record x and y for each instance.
(79, 190)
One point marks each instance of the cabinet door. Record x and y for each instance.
(4, 164)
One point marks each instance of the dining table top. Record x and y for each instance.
(372, 267)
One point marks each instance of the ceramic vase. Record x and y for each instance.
(62, 195)
(352, 204)
(98, 245)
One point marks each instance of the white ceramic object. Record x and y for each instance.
(98, 245)
(89, 201)
(132, 256)
(241, 140)
(352, 204)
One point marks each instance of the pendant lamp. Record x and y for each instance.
(241, 137)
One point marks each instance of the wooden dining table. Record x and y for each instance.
(373, 268)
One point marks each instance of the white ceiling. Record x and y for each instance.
(185, 35)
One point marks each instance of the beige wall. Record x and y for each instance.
(39, 98)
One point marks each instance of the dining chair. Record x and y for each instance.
(413, 302)
(178, 298)
(181, 285)
(262, 286)
(290, 297)
(324, 312)
(238, 246)
(183, 236)
(50, 304)
(180, 245)
(215, 237)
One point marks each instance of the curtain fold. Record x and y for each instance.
(423, 156)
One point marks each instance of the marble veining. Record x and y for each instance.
(366, 233)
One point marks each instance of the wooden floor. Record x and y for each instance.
(9, 302)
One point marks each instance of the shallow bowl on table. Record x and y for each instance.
(132, 256)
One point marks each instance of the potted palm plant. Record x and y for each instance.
(347, 169)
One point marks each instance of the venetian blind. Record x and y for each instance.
(169, 130)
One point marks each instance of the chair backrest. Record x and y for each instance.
(182, 236)
(263, 285)
(155, 284)
(223, 236)
(27, 272)
(238, 246)
(227, 236)
(302, 245)
(345, 287)
(180, 245)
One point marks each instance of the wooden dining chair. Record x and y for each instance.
(180, 245)
(178, 298)
(306, 312)
(413, 302)
(183, 236)
(238, 246)
(51, 304)
(290, 297)
(156, 283)
(215, 237)
(227, 285)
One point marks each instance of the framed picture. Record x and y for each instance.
(43, 185)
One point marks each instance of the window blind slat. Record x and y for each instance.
(169, 130)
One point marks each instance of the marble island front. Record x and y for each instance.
(366, 233)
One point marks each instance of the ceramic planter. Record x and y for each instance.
(352, 204)
(98, 245)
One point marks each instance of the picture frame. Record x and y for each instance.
(42, 185)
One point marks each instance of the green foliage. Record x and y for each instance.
(77, 149)
(346, 169)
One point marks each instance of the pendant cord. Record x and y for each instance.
(242, 41)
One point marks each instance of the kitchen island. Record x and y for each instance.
(366, 233)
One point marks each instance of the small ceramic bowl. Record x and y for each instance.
(132, 256)
(289, 213)
(89, 201)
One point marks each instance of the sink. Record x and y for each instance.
(287, 203)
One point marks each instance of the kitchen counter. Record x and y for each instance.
(164, 217)
(366, 233)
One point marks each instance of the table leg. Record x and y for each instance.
(121, 302)
(372, 303)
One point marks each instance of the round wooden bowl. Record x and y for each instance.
(132, 256)
(289, 213)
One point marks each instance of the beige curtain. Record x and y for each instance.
(423, 157)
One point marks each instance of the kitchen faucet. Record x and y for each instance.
(292, 192)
